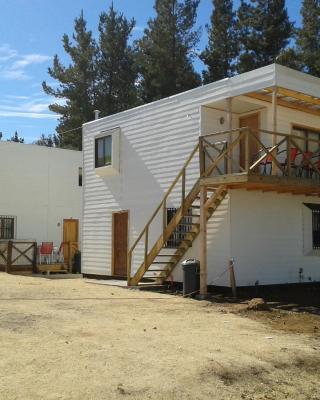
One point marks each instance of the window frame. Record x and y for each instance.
(96, 141)
(315, 223)
(3, 229)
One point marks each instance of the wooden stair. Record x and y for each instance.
(159, 261)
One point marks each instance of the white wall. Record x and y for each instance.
(155, 141)
(39, 186)
(270, 237)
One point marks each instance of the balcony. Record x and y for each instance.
(260, 160)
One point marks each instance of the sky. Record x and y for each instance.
(30, 35)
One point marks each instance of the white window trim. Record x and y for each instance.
(114, 168)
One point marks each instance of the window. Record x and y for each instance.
(307, 133)
(315, 209)
(103, 151)
(80, 176)
(6, 227)
(180, 232)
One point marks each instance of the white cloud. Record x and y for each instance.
(28, 107)
(13, 65)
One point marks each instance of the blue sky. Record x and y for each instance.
(30, 34)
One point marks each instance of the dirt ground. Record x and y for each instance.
(68, 339)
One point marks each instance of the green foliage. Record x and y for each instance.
(76, 89)
(264, 32)
(222, 44)
(16, 138)
(48, 141)
(116, 89)
(166, 50)
(308, 40)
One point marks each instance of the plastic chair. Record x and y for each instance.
(293, 155)
(305, 165)
(46, 250)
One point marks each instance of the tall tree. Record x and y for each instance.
(264, 32)
(48, 141)
(116, 72)
(308, 40)
(76, 90)
(222, 45)
(167, 49)
(16, 138)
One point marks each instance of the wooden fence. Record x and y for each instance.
(16, 256)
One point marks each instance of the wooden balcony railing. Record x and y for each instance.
(259, 152)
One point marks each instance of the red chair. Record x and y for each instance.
(46, 250)
(293, 155)
(267, 161)
(305, 164)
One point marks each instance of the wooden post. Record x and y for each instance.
(164, 218)
(183, 189)
(203, 241)
(34, 258)
(288, 156)
(274, 126)
(229, 125)
(202, 157)
(146, 239)
(9, 257)
(232, 279)
(247, 150)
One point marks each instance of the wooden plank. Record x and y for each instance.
(299, 96)
(283, 103)
(9, 256)
(203, 242)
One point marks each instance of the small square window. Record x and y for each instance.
(7, 227)
(315, 212)
(103, 151)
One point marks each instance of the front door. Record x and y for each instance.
(70, 235)
(252, 122)
(119, 243)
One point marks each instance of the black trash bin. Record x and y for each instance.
(77, 263)
(191, 277)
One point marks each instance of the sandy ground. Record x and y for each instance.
(67, 339)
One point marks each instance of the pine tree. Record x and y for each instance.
(264, 32)
(48, 141)
(117, 76)
(167, 49)
(222, 45)
(16, 138)
(76, 85)
(308, 40)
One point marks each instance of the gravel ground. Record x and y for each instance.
(68, 339)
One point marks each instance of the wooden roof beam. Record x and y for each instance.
(283, 103)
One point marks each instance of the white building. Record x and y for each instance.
(266, 220)
(40, 193)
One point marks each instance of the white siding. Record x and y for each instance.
(39, 186)
(155, 141)
(267, 238)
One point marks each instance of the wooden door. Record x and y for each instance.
(252, 122)
(119, 243)
(70, 235)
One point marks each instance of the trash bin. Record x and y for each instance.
(77, 263)
(191, 276)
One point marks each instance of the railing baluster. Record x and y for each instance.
(288, 156)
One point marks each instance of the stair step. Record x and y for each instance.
(169, 255)
(156, 270)
(162, 262)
